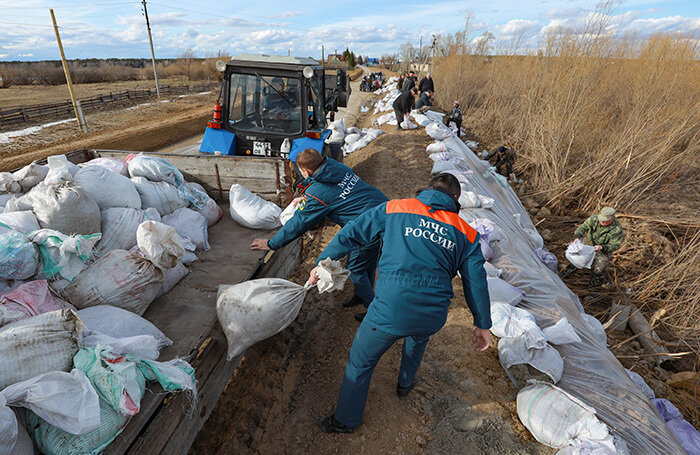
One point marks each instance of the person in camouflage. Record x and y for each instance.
(505, 157)
(604, 232)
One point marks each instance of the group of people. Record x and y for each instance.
(402, 256)
(409, 88)
(373, 81)
(414, 247)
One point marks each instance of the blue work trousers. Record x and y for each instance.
(369, 345)
(362, 264)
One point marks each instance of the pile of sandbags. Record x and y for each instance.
(359, 139)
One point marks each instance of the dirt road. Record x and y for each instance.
(463, 402)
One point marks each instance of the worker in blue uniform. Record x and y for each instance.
(332, 190)
(424, 244)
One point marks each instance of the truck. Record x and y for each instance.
(275, 106)
(168, 424)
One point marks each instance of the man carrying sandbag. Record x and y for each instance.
(425, 243)
(604, 232)
(403, 105)
(505, 157)
(332, 190)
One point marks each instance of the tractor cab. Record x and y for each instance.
(271, 106)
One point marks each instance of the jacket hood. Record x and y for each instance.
(330, 171)
(438, 200)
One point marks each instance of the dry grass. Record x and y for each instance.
(599, 119)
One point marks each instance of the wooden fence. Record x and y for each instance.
(22, 114)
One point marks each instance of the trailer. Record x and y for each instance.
(168, 424)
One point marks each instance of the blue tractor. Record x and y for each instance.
(275, 106)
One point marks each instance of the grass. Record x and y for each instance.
(598, 118)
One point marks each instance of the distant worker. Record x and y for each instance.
(425, 99)
(426, 84)
(604, 232)
(505, 157)
(424, 244)
(455, 115)
(410, 82)
(399, 83)
(332, 190)
(403, 105)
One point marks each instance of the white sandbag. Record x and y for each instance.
(589, 448)
(389, 118)
(64, 208)
(120, 278)
(119, 228)
(8, 184)
(580, 255)
(19, 258)
(119, 323)
(190, 225)
(548, 259)
(9, 429)
(38, 345)
(492, 270)
(511, 322)
(5, 198)
(31, 175)
(514, 351)
(561, 333)
(62, 254)
(60, 170)
(486, 250)
(155, 169)
(65, 400)
(641, 384)
(252, 211)
(208, 206)
(288, 213)
(501, 291)
(331, 276)
(440, 167)
(337, 128)
(352, 138)
(108, 188)
(436, 147)
(407, 124)
(171, 277)
(160, 244)
(162, 196)
(23, 221)
(438, 131)
(112, 164)
(254, 310)
(596, 327)
(557, 419)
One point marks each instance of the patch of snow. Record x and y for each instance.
(6, 138)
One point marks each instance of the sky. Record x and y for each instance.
(104, 29)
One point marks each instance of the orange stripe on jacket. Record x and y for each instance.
(416, 207)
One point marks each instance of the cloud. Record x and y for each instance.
(671, 24)
(4, 55)
(25, 55)
(520, 26)
(287, 15)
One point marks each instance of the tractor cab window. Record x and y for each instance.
(269, 104)
(316, 113)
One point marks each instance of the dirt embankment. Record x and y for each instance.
(145, 127)
(464, 403)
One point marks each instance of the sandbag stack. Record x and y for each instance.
(87, 241)
(574, 394)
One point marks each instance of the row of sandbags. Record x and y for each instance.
(579, 398)
(71, 380)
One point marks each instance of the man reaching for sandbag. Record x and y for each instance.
(424, 244)
(332, 190)
(604, 232)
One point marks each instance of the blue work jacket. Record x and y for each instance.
(425, 244)
(335, 192)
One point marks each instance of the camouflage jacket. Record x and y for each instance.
(609, 237)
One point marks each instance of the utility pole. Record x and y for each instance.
(323, 55)
(76, 104)
(153, 54)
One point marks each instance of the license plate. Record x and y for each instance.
(262, 148)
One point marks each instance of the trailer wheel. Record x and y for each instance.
(334, 151)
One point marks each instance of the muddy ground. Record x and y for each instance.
(463, 403)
